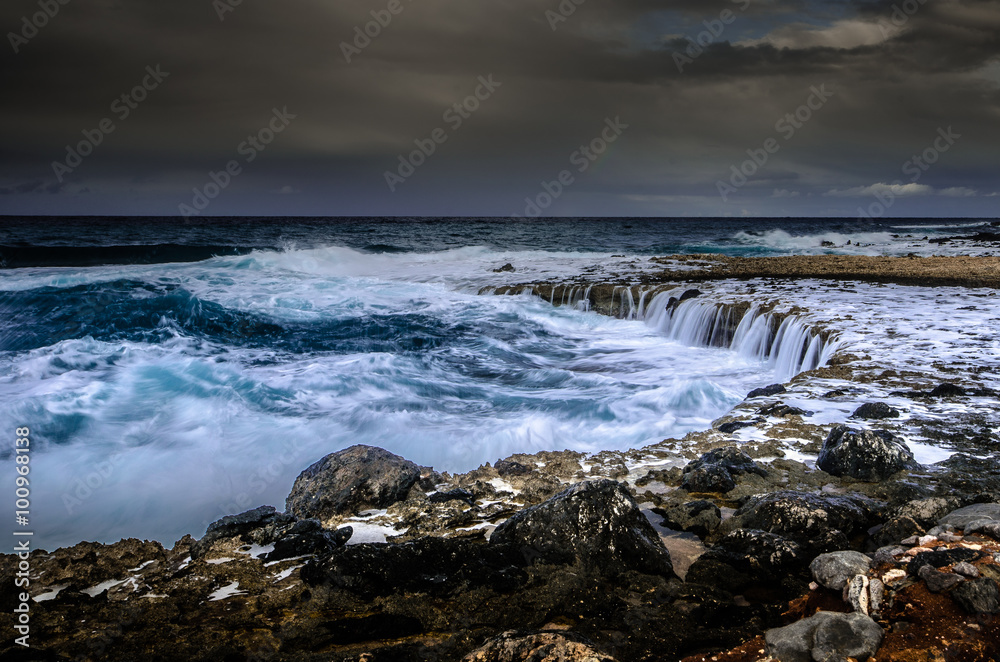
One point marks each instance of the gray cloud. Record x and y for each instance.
(936, 68)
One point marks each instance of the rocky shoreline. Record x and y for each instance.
(725, 545)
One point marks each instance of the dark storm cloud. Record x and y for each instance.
(896, 76)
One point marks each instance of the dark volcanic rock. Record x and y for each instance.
(939, 559)
(596, 523)
(715, 470)
(870, 455)
(437, 566)
(265, 521)
(760, 561)
(351, 480)
(697, 517)
(875, 411)
(733, 426)
(542, 646)
(937, 581)
(977, 596)
(510, 468)
(453, 495)
(825, 636)
(773, 389)
(947, 391)
(818, 521)
(308, 537)
(781, 410)
(505, 268)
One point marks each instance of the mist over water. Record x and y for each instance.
(163, 396)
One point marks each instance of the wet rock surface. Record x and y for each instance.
(865, 454)
(351, 480)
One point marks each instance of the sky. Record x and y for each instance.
(501, 107)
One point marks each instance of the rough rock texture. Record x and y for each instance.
(865, 454)
(822, 523)
(716, 470)
(771, 566)
(349, 481)
(538, 647)
(697, 517)
(826, 636)
(597, 523)
(773, 389)
(937, 581)
(976, 513)
(834, 569)
(875, 411)
(261, 525)
(977, 596)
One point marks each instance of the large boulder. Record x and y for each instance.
(972, 518)
(716, 470)
(349, 481)
(595, 523)
(820, 522)
(749, 559)
(978, 596)
(697, 517)
(834, 569)
(875, 411)
(870, 455)
(825, 636)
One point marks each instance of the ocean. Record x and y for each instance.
(174, 372)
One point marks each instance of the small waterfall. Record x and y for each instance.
(789, 346)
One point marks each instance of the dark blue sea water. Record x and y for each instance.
(174, 372)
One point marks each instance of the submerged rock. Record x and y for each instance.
(773, 389)
(870, 455)
(351, 480)
(595, 523)
(875, 411)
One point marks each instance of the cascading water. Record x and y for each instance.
(788, 346)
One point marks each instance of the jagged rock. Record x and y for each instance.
(864, 454)
(540, 646)
(747, 558)
(733, 426)
(825, 636)
(781, 410)
(773, 389)
(308, 537)
(914, 518)
(835, 569)
(596, 523)
(820, 522)
(505, 268)
(966, 569)
(715, 470)
(978, 596)
(947, 391)
(976, 515)
(941, 558)
(875, 411)
(510, 468)
(349, 481)
(697, 517)
(453, 495)
(937, 581)
(265, 521)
